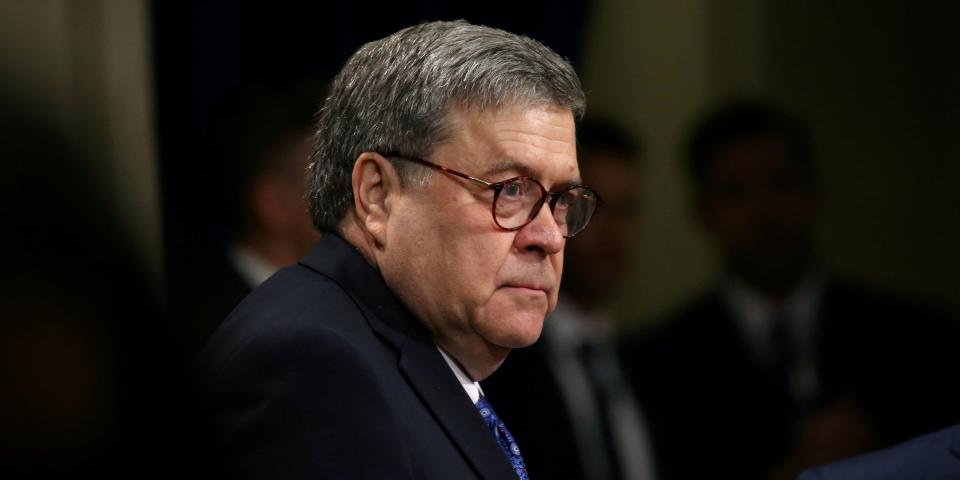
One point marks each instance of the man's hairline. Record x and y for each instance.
(505, 163)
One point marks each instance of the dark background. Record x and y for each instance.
(109, 192)
(207, 50)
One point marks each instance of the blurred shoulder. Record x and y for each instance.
(932, 456)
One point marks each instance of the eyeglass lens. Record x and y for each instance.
(518, 202)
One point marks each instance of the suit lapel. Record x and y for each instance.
(425, 369)
(418, 358)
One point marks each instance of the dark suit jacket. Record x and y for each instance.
(698, 384)
(931, 457)
(322, 373)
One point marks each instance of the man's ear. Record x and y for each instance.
(374, 180)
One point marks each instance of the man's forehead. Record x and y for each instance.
(529, 140)
(551, 120)
(566, 173)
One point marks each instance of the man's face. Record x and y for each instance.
(475, 286)
(761, 209)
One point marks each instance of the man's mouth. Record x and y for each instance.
(533, 287)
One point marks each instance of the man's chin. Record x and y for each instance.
(521, 343)
(518, 338)
(509, 323)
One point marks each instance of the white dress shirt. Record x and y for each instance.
(253, 268)
(753, 315)
(471, 387)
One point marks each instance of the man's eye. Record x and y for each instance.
(565, 201)
(513, 189)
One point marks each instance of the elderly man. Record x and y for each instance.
(445, 181)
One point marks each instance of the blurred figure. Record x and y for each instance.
(935, 456)
(569, 397)
(782, 363)
(260, 142)
(86, 388)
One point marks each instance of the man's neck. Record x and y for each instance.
(350, 231)
(478, 362)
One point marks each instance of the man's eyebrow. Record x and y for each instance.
(507, 164)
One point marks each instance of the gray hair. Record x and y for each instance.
(394, 94)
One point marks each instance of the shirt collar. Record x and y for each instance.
(253, 268)
(471, 387)
(753, 312)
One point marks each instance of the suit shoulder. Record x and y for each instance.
(932, 456)
(294, 314)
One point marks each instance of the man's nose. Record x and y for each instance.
(542, 233)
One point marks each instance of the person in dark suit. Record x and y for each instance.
(935, 456)
(259, 139)
(587, 424)
(445, 182)
(784, 363)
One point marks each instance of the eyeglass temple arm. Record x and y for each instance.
(445, 169)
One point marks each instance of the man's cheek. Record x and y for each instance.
(513, 318)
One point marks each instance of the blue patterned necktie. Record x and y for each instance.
(503, 437)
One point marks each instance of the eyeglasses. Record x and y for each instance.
(517, 200)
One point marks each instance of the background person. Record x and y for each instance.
(932, 456)
(783, 362)
(260, 140)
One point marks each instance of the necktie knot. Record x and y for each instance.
(503, 437)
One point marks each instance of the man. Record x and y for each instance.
(587, 424)
(786, 365)
(445, 182)
(262, 142)
(935, 456)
